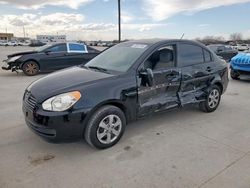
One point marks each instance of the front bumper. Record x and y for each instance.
(5, 65)
(56, 127)
(243, 69)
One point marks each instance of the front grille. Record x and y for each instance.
(29, 100)
(243, 60)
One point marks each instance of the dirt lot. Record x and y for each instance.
(180, 148)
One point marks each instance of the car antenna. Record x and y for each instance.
(182, 35)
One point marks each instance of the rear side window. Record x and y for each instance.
(189, 54)
(207, 56)
(78, 48)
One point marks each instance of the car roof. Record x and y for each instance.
(58, 43)
(216, 45)
(152, 42)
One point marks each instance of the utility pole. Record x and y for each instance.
(119, 20)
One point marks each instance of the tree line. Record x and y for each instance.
(235, 38)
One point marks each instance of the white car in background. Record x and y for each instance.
(243, 47)
(3, 43)
(12, 43)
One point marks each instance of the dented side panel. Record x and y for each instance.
(196, 79)
(162, 95)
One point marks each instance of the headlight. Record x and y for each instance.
(12, 59)
(61, 102)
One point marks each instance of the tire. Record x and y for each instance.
(30, 68)
(99, 133)
(212, 101)
(234, 74)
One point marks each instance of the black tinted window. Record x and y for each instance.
(189, 54)
(207, 56)
(58, 48)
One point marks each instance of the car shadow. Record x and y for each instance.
(244, 78)
(153, 124)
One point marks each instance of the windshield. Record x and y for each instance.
(42, 48)
(118, 58)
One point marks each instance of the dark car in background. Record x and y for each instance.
(226, 52)
(124, 83)
(49, 58)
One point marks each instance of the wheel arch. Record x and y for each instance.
(21, 66)
(220, 85)
(117, 103)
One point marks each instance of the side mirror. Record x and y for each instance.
(148, 76)
(47, 52)
(219, 50)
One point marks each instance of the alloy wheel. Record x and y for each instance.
(31, 68)
(213, 98)
(109, 129)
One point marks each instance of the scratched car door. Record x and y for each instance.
(163, 94)
(197, 68)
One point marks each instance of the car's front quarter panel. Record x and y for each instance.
(115, 90)
(70, 124)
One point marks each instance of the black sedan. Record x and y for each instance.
(50, 58)
(223, 51)
(126, 82)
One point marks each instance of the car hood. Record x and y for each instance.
(64, 81)
(21, 53)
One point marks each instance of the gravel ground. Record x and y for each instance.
(179, 148)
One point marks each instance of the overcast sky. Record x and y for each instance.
(97, 19)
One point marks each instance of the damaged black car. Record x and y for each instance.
(50, 58)
(129, 81)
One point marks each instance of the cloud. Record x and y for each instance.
(143, 27)
(126, 17)
(160, 10)
(31, 4)
(61, 19)
(73, 25)
(203, 25)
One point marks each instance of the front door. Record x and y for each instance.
(54, 57)
(162, 94)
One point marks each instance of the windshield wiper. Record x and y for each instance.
(97, 68)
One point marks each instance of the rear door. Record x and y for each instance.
(163, 94)
(197, 68)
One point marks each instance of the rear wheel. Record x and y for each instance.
(212, 101)
(30, 68)
(234, 74)
(106, 127)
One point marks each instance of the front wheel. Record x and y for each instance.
(105, 127)
(212, 101)
(30, 68)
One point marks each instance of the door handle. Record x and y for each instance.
(209, 69)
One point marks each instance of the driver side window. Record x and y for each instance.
(161, 59)
(58, 48)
